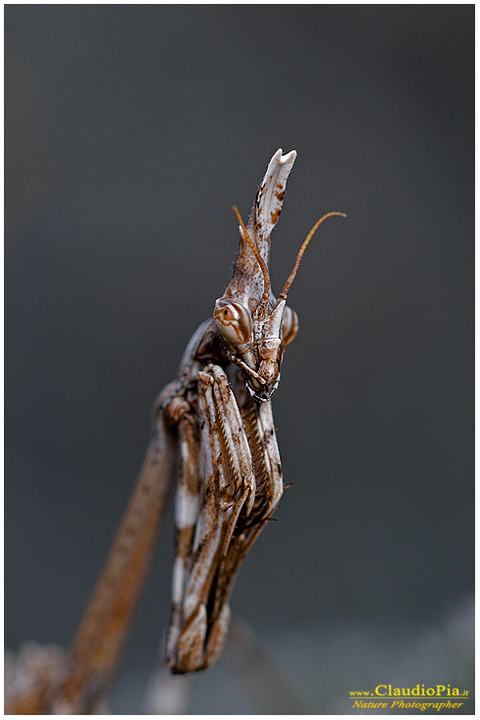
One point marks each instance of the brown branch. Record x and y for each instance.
(99, 642)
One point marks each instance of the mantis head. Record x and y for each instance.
(255, 331)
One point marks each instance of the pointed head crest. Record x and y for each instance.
(255, 327)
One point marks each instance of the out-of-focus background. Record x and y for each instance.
(130, 132)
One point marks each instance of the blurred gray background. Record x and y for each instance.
(130, 132)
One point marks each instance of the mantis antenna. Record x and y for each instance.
(245, 236)
(291, 277)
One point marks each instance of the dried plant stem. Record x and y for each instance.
(99, 642)
(167, 694)
(265, 686)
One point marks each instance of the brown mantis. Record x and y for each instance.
(213, 427)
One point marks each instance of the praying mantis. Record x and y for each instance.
(213, 429)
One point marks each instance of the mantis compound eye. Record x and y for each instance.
(289, 325)
(233, 321)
